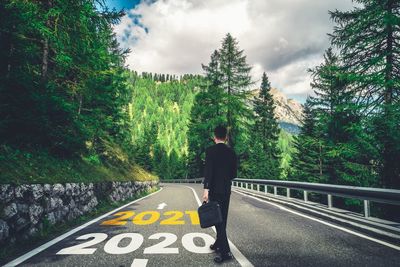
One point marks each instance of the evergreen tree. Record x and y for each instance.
(307, 161)
(346, 160)
(60, 90)
(235, 78)
(207, 112)
(265, 135)
(367, 37)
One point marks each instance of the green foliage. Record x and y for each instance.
(222, 100)
(61, 76)
(308, 158)
(234, 80)
(64, 98)
(23, 167)
(159, 115)
(264, 156)
(286, 146)
(368, 40)
(332, 146)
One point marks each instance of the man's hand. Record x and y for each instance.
(205, 195)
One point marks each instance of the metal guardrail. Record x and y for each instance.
(367, 194)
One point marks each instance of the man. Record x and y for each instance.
(220, 169)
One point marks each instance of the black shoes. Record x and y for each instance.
(223, 257)
(213, 247)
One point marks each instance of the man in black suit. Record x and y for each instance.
(220, 169)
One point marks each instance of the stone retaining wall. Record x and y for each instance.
(25, 209)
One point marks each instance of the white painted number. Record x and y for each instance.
(188, 242)
(161, 248)
(83, 248)
(111, 247)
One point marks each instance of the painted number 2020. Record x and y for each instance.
(173, 217)
(112, 246)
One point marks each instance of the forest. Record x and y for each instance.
(71, 110)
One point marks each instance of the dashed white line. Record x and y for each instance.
(61, 237)
(139, 263)
(243, 261)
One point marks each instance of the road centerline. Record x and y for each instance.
(243, 261)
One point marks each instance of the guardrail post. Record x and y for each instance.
(258, 188)
(329, 201)
(275, 190)
(367, 209)
(305, 196)
(265, 189)
(288, 192)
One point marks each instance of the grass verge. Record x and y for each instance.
(30, 167)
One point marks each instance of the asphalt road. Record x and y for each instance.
(162, 230)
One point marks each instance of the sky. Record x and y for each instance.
(284, 38)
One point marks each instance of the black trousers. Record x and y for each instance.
(222, 239)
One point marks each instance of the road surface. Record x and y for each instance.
(162, 229)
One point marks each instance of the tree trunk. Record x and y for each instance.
(80, 104)
(10, 54)
(45, 42)
(389, 57)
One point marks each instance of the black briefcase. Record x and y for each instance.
(209, 214)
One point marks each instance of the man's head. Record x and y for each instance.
(220, 133)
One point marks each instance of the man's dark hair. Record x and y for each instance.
(220, 132)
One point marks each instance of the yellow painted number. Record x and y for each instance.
(124, 216)
(139, 219)
(174, 219)
(194, 216)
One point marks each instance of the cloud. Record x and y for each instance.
(282, 37)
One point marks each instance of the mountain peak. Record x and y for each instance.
(287, 110)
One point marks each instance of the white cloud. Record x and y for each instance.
(282, 37)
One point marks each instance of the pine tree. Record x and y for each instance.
(207, 112)
(367, 37)
(265, 158)
(345, 159)
(60, 89)
(234, 80)
(308, 161)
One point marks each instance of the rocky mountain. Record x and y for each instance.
(288, 111)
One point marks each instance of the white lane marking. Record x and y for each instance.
(162, 247)
(243, 261)
(323, 222)
(139, 263)
(32, 253)
(112, 245)
(161, 206)
(82, 248)
(281, 201)
(188, 242)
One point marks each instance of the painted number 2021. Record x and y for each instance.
(173, 217)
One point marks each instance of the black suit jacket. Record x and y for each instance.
(220, 168)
